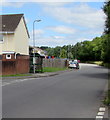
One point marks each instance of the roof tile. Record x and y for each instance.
(10, 22)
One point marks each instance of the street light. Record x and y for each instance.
(34, 44)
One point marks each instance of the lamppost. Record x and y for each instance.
(34, 60)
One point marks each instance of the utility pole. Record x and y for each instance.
(34, 60)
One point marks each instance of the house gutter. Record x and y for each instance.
(7, 32)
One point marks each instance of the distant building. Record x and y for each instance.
(37, 50)
(14, 47)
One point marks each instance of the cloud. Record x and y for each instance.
(53, 4)
(54, 41)
(51, 1)
(78, 23)
(62, 29)
(43, 39)
(39, 32)
(47, 41)
(81, 15)
(58, 37)
(9, 3)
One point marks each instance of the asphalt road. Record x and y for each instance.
(73, 94)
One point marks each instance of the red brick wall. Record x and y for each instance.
(4, 57)
(15, 66)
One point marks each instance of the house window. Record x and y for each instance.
(1, 38)
(8, 56)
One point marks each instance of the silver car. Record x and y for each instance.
(74, 64)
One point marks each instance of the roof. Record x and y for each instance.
(38, 51)
(11, 21)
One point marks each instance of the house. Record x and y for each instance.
(14, 47)
(37, 50)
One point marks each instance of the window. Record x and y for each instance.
(1, 38)
(8, 56)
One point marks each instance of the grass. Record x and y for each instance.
(101, 63)
(94, 62)
(53, 69)
(98, 62)
(16, 75)
(107, 99)
(46, 69)
(106, 65)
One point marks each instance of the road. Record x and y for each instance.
(72, 94)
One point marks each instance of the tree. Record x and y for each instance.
(63, 53)
(105, 49)
(57, 51)
(106, 42)
(106, 10)
(50, 51)
(97, 48)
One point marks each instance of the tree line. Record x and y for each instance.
(84, 51)
(96, 50)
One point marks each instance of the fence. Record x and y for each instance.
(16, 66)
(61, 63)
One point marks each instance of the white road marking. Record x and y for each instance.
(5, 83)
(102, 109)
(17, 81)
(99, 117)
(100, 113)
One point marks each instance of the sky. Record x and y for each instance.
(62, 23)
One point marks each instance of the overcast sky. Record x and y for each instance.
(62, 23)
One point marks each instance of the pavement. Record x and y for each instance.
(36, 75)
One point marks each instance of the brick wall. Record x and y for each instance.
(15, 66)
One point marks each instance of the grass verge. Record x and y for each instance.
(107, 99)
(94, 62)
(16, 75)
(106, 65)
(53, 69)
(101, 63)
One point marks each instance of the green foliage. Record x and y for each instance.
(106, 42)
(105, 49)
(57, 51)
(63, 53)
(106, 9)
(50, 51)
(53, 69)
(15, 75)
(107, 99)
(95, 50)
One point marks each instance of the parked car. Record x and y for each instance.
(74, 64)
